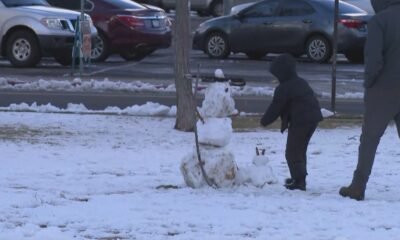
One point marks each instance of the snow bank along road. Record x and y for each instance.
(99, 94)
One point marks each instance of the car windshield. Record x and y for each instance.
(344, 8)
(19, 3)
(125, 4)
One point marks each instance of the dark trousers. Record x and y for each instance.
(381, 106)
(296, 149)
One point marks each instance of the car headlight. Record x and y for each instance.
(52, 23)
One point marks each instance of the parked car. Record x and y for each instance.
(203, 7)
(31, 29)
(363, 4)
(125, 27)
(285, 26)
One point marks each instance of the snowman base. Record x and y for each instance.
(218, 163)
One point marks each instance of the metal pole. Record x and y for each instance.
(334, 64)
(82, 18)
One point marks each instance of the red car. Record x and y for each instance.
(124, 27)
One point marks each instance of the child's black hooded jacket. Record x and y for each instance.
(294, 100)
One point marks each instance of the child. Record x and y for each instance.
(295, 103)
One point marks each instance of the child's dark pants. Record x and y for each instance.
(296, 149)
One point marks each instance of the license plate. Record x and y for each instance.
(155, 23)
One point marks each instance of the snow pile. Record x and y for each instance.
(326, 113)
(79, 85)
(148, 109)
(46, 108)
(259, 173)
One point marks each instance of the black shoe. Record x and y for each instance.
(288, 180)
(296, 185)
(352, 192)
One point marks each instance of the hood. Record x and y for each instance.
(284, 68)
(236, 9)
(380, 5)
(45, 11)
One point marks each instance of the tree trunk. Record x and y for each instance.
(185, 116)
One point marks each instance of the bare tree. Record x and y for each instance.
(185, 116)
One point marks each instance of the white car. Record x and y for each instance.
(31, 29)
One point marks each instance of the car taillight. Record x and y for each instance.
(352, 23)
(131, 21)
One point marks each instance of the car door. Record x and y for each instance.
(255, 24)
(292, 25)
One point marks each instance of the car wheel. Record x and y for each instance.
(355, 56)
(23, 49)
(101, 48)
(217, 46)
(318, 49)
(256, 55)
(136, 55)
(216, 8)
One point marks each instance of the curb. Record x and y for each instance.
(251, 123)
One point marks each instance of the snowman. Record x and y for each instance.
(214, 131)
(214, 134)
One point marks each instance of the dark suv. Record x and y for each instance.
(125, 27)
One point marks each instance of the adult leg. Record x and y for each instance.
(374, 126)
(379, 112)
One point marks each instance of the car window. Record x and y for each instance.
(124, 4)
(363, 4)
(263, 9)
(296, 8)
(13, 3)
(344, 8)
(71, 4)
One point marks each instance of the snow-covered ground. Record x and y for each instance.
(71, 176)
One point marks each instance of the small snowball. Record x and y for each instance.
(219, 73)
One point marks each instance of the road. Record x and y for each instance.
(158, 68)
